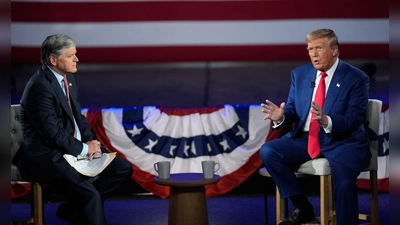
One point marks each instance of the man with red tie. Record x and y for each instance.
(53, 126)
(326, 105)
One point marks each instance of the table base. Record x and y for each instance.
(187, 205)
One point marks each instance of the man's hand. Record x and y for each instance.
(273, 112)
(94, 149)
(319, 114)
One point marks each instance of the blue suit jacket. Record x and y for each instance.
(346, 103)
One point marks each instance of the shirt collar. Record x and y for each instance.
(332, 70)
(58, 76)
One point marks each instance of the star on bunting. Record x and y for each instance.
(187, 147)
(209, 147)
(193, 148)
(135, 131)
(224, 144)
(241, 132)
(171, 150)
(151, 145)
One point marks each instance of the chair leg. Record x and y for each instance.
(37, 204)
(373, 174)
(332, 211)
(279, 207)
(324, 199)
(266, 202)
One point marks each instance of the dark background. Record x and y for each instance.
(190, 84)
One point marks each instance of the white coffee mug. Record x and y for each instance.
(163, 169)
(209, 168)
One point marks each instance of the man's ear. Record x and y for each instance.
(335, 51)
(53, 60)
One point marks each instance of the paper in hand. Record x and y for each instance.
(90, 168)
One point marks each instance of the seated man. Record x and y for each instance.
(328, 118)
(53, 126)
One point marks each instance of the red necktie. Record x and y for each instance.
(313, 143)
(67, 94)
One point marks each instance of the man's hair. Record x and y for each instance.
(55, 44)
(321, 33)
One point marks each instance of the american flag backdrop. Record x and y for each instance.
(133, 31)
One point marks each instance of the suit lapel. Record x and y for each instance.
(337, 83)
(58, 90)
(308, 89)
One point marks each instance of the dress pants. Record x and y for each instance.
(86, 198)
(281, 157)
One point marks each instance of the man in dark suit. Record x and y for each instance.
(342, 138)
(53, 125)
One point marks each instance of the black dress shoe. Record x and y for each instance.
(65, 213)
(299, 216)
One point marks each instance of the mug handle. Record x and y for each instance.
(156, 167)
(216, 168)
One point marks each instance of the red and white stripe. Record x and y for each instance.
(171, 31)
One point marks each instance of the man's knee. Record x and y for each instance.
(121, 166)
(265, 151)
(126, 168)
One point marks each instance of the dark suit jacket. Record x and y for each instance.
(346, 103)
(48, 126)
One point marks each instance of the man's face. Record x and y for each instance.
(66, 63)
(321, 54)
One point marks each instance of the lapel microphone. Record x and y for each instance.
(313, 84)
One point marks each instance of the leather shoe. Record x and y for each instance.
(65, 213)
(299, 216)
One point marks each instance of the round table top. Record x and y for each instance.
(186, 180)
